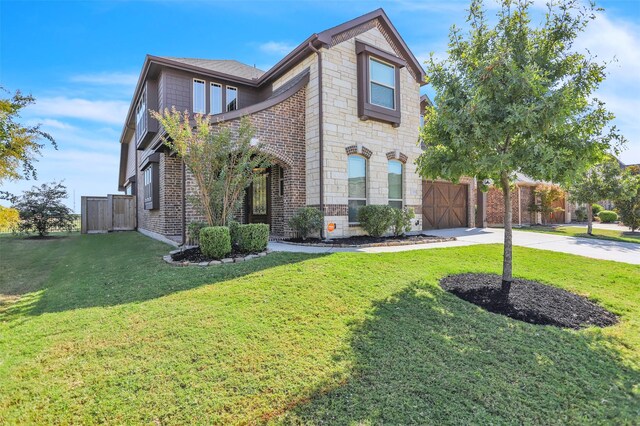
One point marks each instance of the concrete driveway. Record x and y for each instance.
(597, 249)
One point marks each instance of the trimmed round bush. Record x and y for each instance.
(252, 238)
(596, 209)
(306, 221)
(607, 216)
(215, 241)
(375, 219)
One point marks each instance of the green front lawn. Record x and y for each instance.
(98, 329)
(581, 231)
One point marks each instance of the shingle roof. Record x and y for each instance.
(226, 66)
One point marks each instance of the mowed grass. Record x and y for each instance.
(581, 231)
(97, 329)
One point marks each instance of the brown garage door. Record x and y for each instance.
(444, 205)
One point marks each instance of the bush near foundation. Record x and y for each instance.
(402, 221)
(215, 241)
(306, 221)
(376, 219)
(252, 238)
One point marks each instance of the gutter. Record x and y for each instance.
(320, 133)
(184, 203)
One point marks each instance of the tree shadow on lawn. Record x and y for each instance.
(121, 269)
(425, 356)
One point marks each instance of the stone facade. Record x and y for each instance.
(344, 131)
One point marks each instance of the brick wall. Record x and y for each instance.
(520, 211)
(281, 132)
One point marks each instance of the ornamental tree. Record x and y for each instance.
(221, 161)
(627, 201)
(515, 97)
(18, 144)
(600, 182)
(42, 209)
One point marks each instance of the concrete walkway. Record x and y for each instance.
(588, 247)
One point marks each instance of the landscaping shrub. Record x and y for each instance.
(193, 231)
(375, 219)
(596, 209)
(233, 231)
(607, 216)
(306, 221)
(253, 237)
(581, 214)
(215, 241)
(402, 221)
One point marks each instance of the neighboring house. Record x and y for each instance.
(522, 197)
(338, 116)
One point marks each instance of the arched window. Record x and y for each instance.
(395, 184)
(357, 170)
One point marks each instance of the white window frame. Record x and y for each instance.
(226, 92)
(394, 87)
(204, 96)
(401, 183)
(148, 184)
(211, 100)
(366, 184)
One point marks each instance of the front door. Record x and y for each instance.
(258, 198)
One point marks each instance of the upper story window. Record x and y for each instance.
(198, 97)
(141, 115)
(216, 98)
(232, 98)
(382, 83)
(378, 84)
(395, 184)
(357, 171)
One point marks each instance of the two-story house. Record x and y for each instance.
(339, 117)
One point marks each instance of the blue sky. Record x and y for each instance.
(81, 60)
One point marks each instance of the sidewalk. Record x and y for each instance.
(597, 249)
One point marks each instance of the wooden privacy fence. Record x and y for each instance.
(110, 213)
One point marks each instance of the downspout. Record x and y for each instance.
(184, 203)
(320, 133)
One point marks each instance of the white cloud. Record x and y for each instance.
(608, 39)
(107, 79)
(112, 112)
(276, 47)
(49, 123)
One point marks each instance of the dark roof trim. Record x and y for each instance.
(384, 55)
(268, 103)
(124, 155)
(153, 158)
(252, 109)
(326, 36)
(303, 50)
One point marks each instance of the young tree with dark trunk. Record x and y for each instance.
(627, 201)
(600, 182)
(515, 97)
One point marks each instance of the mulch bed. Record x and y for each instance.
(367, 241)
(529, 301)
(194, 255)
